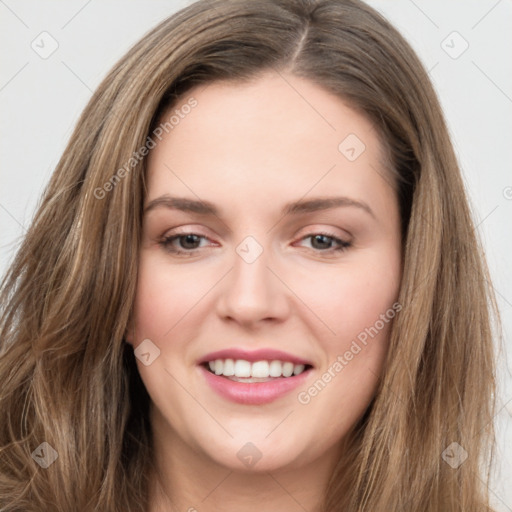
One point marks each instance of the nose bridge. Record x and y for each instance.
(252, 292)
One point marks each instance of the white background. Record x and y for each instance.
(40, 100)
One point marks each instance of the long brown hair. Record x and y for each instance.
(69, 379)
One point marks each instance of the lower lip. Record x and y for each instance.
(255, 393)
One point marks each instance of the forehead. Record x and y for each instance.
(277, 137)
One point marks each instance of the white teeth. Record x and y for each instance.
(276, 369)
(219, 367)
(229, 367)
(240, 368)
(260, 369)
(287, 369)
(298, 369)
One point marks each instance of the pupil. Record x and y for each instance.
(319, 237)
(189, 239)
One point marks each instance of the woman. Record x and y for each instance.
(323, 344)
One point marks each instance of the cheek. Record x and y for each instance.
(360, 309)
(165, 297)
(351, 297)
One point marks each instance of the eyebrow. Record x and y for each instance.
(294, 208)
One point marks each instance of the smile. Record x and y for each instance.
(245, 371)
(253, 378)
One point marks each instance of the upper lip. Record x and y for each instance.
(253, 356)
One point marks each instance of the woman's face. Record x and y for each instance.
(291, 266)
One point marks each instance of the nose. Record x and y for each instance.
(253, 291)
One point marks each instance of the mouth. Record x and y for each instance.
(254, 379)
(241, 370)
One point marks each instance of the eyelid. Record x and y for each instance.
(339, 243)
(189, 229)
(177, 232)
(332, 231)
(186, 230)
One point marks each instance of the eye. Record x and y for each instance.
(188, 243)
(326, 242)
(182, 243)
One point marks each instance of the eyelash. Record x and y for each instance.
(167, 241)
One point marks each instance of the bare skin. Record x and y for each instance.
(250, 150)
